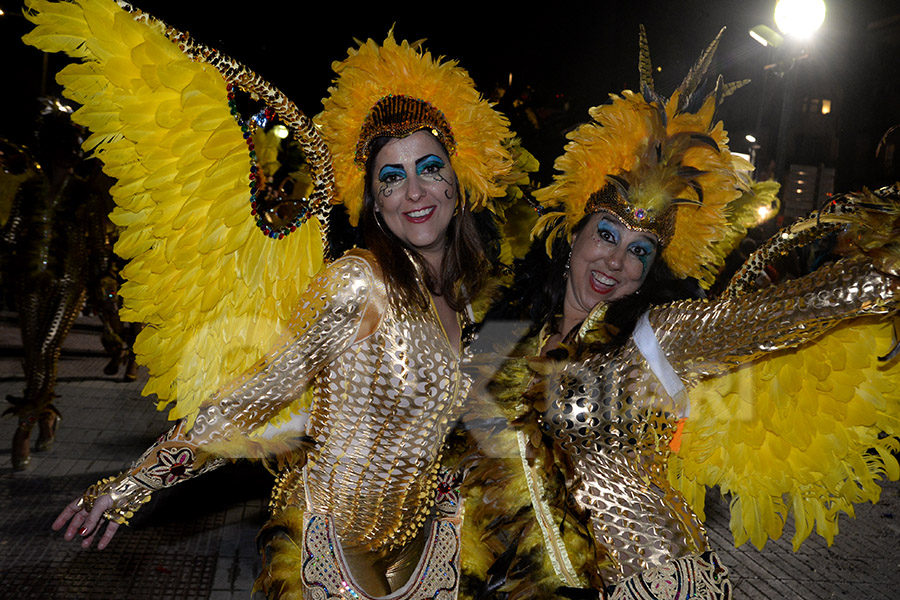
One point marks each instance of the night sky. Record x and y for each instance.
(561, 54)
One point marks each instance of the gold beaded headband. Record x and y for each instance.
(635, 218)
(398, 117)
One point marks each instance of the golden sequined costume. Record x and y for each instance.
(258, 342)
(611, 506)
(608, 418)
(637, 515)
(374, 437)
(617, 439)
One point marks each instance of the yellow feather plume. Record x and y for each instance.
(808, 432)
(671, 157)
(212, 290)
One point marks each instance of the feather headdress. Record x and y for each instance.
(395, 89)
(661, 166)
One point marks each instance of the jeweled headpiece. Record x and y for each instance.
(398, 117)
(636, 217)
(396, 89)
(661, 166)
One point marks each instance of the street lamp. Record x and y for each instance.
(797, 20)
(766, 36)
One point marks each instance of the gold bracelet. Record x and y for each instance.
(127, 495)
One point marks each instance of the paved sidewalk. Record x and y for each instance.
(196, 541)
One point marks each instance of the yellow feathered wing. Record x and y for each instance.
(212, 290)
(808, 432)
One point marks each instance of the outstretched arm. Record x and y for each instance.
(168, 462)
(703, 338)
(334, 314)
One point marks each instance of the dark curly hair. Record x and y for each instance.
(539, 288)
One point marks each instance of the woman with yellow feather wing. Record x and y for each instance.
(361, 355)
(632, 393)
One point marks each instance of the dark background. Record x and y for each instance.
(561, 58)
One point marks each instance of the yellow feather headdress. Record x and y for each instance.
(661, 166)
(395, 89)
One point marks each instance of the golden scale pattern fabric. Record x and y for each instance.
(377, 434)
(620, 474)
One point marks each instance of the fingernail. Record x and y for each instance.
(82, 531)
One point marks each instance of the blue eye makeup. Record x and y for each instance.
(391, 173)
(607, 231)
(644, 251)
(429, 164)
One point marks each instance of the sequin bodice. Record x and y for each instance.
(603, 418)
(386, 384)
(611, 417)
(383, 408)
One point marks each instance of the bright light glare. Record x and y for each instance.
(280, 131)
(750, 138)
(826, 107)
(758, 38)
(766, 36)
(763, 212)
(800, 18)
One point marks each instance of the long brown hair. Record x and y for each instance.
(465, 265)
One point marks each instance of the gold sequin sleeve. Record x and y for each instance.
(702, 338)
(334, 312)
(328, 320)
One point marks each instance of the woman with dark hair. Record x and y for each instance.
(611, 395)
(455, 265)
(537, 293)
(367, 370)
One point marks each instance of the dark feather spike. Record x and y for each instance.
(697, 73)
(686, 201)
(698, 189)
(661, 110)
(688, 173)
(649, 95)
(883, 141)
(717, 94)
(705, 139)
(896, 349)
(890, 355)
(723, 90)
(644, 65)
(730, 88)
